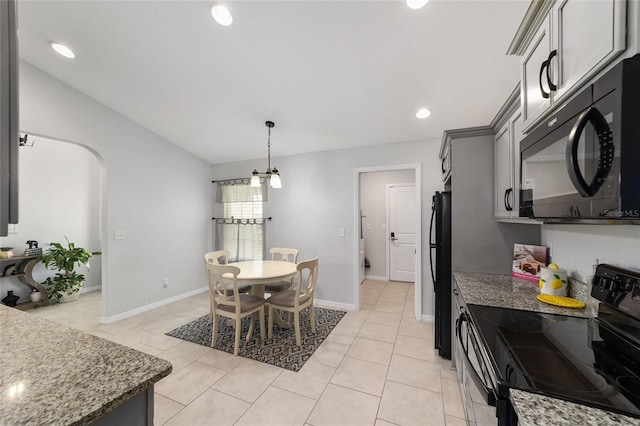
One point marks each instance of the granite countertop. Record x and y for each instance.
(538, 410)
(533, 409)
(505, 291)
(55, 375)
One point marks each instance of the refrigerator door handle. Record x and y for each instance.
(432, 245)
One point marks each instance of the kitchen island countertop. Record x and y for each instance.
(55, 375)
(532, 409)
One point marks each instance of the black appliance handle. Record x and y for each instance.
(552, 87)
(605, 141)
(543, 92)
(490, 393)
(511, 196)
(432, 245)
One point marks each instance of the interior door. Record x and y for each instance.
(402, 232)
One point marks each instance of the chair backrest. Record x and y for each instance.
(284, 254)
(307, 277)
(220, 257)
(218, 283)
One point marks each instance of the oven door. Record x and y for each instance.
(475, 372)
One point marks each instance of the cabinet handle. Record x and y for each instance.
(552, 87)
(506, 205)
(442, 166)
(509, 206)
(544, 93)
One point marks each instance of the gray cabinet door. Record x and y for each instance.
(588, 35)
(533, 102)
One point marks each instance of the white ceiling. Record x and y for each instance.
(330, 74)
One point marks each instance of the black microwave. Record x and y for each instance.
(583, 163)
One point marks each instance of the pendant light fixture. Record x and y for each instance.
(272, 174)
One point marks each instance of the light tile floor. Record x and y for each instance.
(377, 367)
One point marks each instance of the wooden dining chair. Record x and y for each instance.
(221, 257)
(296, 299)
(235, 306)
(286, 255)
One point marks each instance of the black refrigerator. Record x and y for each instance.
(440, 261)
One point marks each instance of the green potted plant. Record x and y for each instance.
(65, 285)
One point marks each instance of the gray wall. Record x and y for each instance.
(157, 193)
(318, 197)
(373, 199)
(479, 242)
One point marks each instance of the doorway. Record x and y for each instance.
(61, 196)
(381, 229)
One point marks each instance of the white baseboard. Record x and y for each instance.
(375, 278)
(124, 315)
(84, 290)
(334, 305)
(427, 318)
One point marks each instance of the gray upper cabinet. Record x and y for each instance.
(563, 44)
(506, 148)
(535, 94)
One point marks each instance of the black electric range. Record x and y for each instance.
(592, 361)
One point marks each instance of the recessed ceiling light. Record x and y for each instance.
(62, 49)
(416, 4)
(221, 14)
(423, 113)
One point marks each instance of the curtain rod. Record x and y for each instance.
(233, 218)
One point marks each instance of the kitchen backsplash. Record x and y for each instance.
(576, 247)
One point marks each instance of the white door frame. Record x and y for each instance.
(356, 225)
(388, 212)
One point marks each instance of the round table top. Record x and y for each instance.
(265, 269)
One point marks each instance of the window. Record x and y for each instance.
(242, 230)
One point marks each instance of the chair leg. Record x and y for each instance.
(250, 332)
(312, 317)
(214, 333)
(296, 319)
(262, 322)
(236, 348)
(270, 322)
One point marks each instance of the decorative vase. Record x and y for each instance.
(10, 299)
(6, 254)
(35, 296)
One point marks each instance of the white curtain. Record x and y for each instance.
(242, 230)
(244, 238)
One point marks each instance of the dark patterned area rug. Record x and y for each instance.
(280, 351)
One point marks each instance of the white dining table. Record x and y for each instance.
(257, 273)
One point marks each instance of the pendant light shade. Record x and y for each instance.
(273, 176)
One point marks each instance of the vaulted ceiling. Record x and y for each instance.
(330, 74)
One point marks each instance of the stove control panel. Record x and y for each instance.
(618, 288)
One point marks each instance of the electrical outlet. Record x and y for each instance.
(165, 282)
(341, 232)
(13, 228)
(118, 235)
